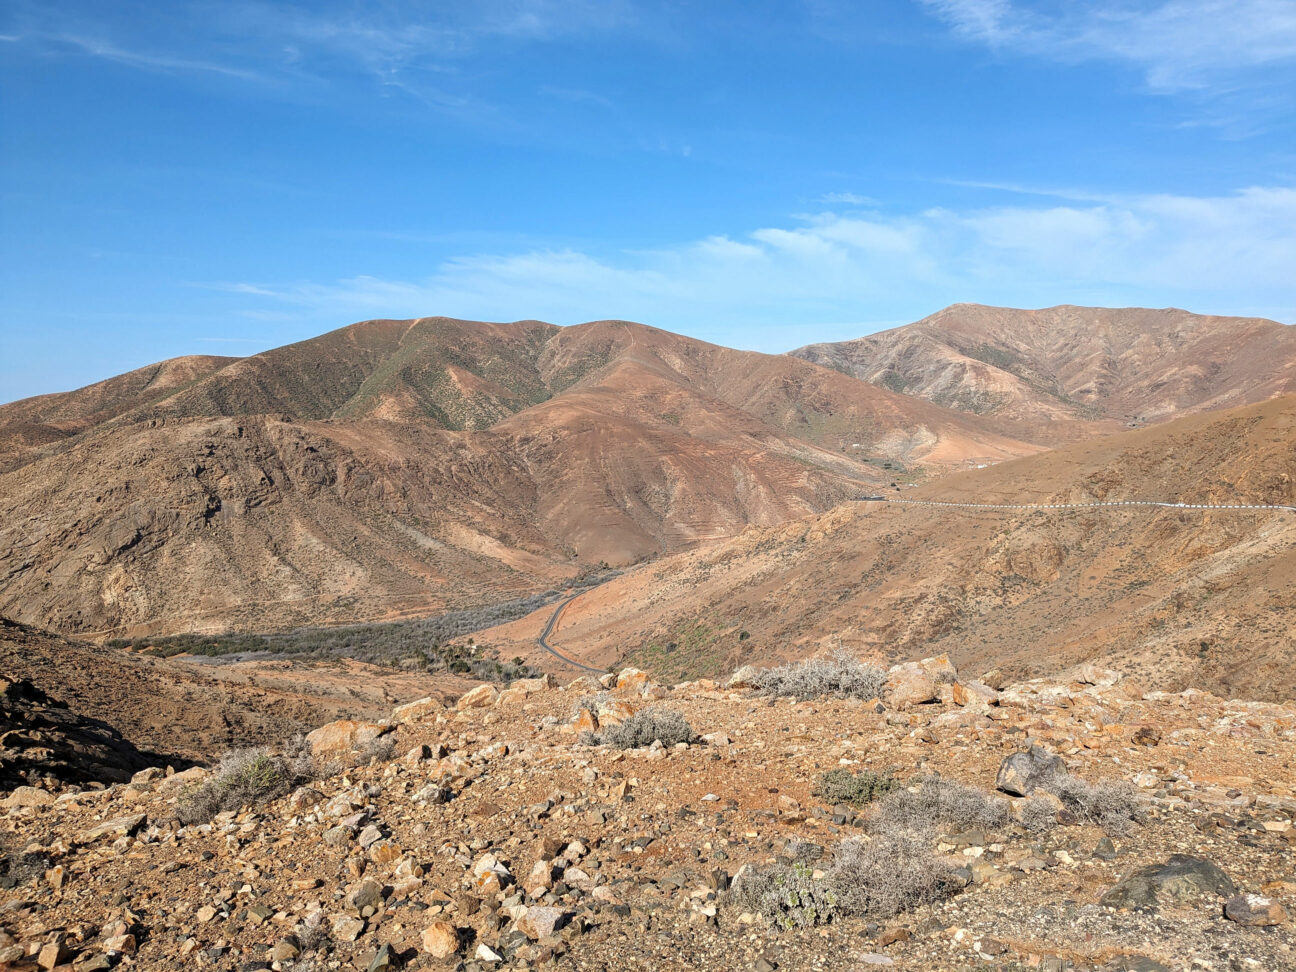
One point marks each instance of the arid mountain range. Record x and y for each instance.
(1065, 367)
(395, 469)
(398, 467)
(1177, 598)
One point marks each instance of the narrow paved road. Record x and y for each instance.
(543, 640)
(1091, 506)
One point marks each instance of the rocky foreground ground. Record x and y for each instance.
(488, 833)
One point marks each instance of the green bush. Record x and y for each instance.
(857, 789)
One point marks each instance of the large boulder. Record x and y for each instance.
(478, 698)
(344, 736)
(631, 681)
(418, 710)
(909, 684)
(1023, 773)
(1181, 880)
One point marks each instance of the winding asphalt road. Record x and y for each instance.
(543, 640)
(1091, 506)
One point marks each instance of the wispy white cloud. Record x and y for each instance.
(399, 44)
(1227, 254)
(153, 62)
(1178, 44)
(846, 199)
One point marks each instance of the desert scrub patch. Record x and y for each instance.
(787, 895)
(1112, 806)
(937, 804)
(1037, 814)
(877, 878)
(887, 875)
(856, 789)
(841, 675)
(643, 729)
(247, 777)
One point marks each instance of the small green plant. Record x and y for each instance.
(856, 789)
(788, 895)
(877, 878)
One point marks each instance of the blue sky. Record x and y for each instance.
(223, 177)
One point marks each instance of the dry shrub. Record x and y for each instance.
(1112, 806)
(877, 878)
(247, 777)
(1037, 815)
(887, 875)
(841, 675)
(937, 804)
(643, 729)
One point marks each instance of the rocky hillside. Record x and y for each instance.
(1129, 830)
(1060, 370)
(1178, 598)
(407, 467)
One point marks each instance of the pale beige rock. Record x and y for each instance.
(631, 681)
(345, 735)
(479, 698)
(29, 796)
(440, 939)
(417, 711)
(540, 922)
(909, 685)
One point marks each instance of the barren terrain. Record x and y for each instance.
(1177, 598)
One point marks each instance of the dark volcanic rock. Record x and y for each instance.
(1181, 880)
(1022, 773)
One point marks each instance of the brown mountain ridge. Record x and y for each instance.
(398, 467)
(1064, 372)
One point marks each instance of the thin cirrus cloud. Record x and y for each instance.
(1207, 253)
(256, 40)
(1178, 44)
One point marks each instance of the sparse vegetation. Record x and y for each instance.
(856, 789)
(877, 878)
(247, 777)
(787, 895)
(1037, 814)
(643, 729)
(1112, 806)
(840, 675)
(426, 644)
(937, 804)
